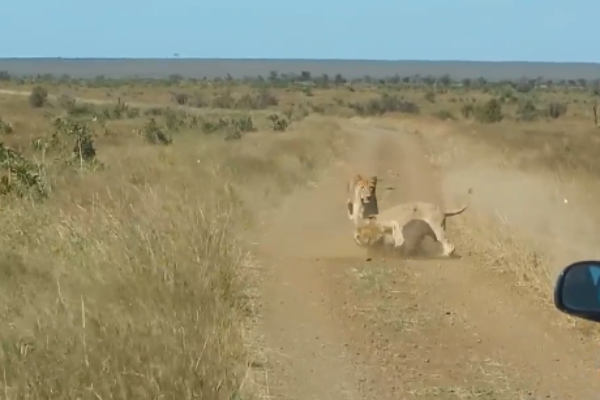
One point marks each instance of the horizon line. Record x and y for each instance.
(179, 58)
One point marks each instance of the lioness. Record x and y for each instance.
(362, 190)
(381, 237)
(401, 214)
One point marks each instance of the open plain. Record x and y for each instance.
(188, 238)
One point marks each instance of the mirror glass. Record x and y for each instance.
(581, 290)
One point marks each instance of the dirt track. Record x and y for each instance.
(338, 327)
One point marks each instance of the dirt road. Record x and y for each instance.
(339, 327)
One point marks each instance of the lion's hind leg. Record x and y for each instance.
(440, 235)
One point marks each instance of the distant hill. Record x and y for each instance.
(238, 68)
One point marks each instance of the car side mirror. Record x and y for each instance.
(577, 290)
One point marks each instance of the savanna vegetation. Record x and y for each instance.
(127, 205)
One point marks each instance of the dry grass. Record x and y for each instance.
(567, 147)
(130, 281)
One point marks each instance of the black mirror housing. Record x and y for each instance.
(577, 290)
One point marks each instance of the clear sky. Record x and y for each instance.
(486, 30)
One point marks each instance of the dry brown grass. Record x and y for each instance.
(565, 146)
(130, 281)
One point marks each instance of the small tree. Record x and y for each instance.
(38, 97)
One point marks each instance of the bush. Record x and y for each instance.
(155, 135)
(259, 101)
(430, 97)
(386, 103)
(80, 134)
(19, 176)
(490, 112)
(243, 123)
(556, 110)
(173, 122)
(444, 115)
(527, 111)
(523, 86)
(38, 97)
(87, 110)
(181, 98)
(278, 124)
(5, 128)
(467, 111)
(234, 126)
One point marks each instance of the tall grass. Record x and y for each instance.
(129, 282)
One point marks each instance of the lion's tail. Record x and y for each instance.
(450, 213)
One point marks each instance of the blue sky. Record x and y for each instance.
(486, 30)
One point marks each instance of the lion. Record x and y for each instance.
(381, 237)
(401, 214)
(363, 191)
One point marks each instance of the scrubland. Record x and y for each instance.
(128, 210)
